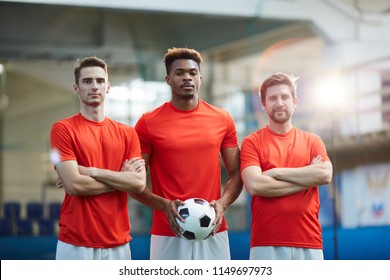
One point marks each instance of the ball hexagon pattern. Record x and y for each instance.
(198, 218)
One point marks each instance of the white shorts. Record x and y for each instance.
(284, 253)
(66, 251)
(178, 248)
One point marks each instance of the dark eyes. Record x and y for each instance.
(181, 73)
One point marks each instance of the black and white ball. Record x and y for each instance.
(198, 218)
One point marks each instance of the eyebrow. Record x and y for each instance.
(187, 69)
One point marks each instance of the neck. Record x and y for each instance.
(95, 114)
(280, 128)
(186, 104)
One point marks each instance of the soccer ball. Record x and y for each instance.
(198, 218)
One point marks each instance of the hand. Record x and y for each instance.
(219, 213)
(316, 160)
(59, 184)
(172, 214)
(134, 164)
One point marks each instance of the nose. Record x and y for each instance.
(187, 76)
(94, 84)
(279, 101)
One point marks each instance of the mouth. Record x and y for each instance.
(187, 86)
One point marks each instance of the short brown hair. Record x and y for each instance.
(88, 62)
(279, 79)
(181, 53)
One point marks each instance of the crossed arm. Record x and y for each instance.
(88, 181)
(284, 181)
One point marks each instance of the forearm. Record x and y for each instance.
(308, 176)
(151, 200)
(233, 187)
(258, 184)
(75, 183)
(127, 181)
(270, 187)
(85, 186)
(231, 191)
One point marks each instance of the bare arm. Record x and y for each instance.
(131, 178)
(317, 173)
(75, 183)
(148, 198)
(258, 184)
(233, 187)
(285, 181)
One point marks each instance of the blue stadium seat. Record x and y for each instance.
(12, 210)
(46, 227)
(54, 210)
(24, 227)
(5, 227)
(35, 211)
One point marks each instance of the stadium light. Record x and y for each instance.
(331, 92)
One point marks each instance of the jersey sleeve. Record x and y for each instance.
(60, 144)
(142, 131)
(319, 148)
(231, 139)
(135, 147)
(249, 155)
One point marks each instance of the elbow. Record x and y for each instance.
(328, 179)
(73, 189)
(328, 176)
(252, 190)
(248, 190)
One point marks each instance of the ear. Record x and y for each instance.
(167, 80)
(76, 89)
(108, 87)
(296, 101)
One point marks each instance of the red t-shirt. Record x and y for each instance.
(184, 148)
(100, 221)
(290, 220)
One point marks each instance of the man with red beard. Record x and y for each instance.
(281, 167)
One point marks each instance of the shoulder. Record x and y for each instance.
(215, 111)
(255, 136)
(66, 122)
(305, 133)
(159, 110)
(154, 116)
(120, 125)
(307, 136)
(208, 106)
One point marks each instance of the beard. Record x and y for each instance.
(280, 117)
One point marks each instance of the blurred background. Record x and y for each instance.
(340, 49)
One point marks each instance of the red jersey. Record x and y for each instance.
(184, 148)
(100, 221)
(290, 220)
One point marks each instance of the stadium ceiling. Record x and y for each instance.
(135, 34)
(132, 38)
